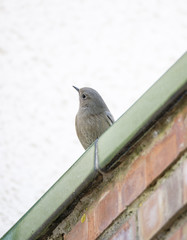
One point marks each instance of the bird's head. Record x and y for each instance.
(90, 100)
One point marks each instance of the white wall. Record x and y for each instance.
(120, 48)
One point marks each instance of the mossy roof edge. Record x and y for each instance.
(65, 190)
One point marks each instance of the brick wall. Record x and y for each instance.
(145, 197)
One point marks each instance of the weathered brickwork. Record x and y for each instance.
(144, 195)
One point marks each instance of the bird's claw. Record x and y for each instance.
(96, 159)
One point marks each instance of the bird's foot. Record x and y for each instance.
(96, 159)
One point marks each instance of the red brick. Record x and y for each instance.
(179, 234)
(91, 228)
(79, 231)
(161, 206)
(185, 182)
(175, 236)
(127, 231)
(185, 124)
(172, 194)
(179, 129)
(150, 216)
(133, 183)
(106, 210)
(160, 157)
(184, 231)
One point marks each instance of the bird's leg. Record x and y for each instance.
(96, 159)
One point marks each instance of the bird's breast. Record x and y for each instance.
(90, 127)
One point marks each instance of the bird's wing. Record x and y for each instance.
(110, 117)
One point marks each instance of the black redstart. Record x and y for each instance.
(93, 117)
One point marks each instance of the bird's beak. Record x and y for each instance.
(76, 89)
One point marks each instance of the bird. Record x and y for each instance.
(93, 117)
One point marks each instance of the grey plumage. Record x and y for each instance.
(93, 117)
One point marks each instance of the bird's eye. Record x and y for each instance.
(83, 96)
